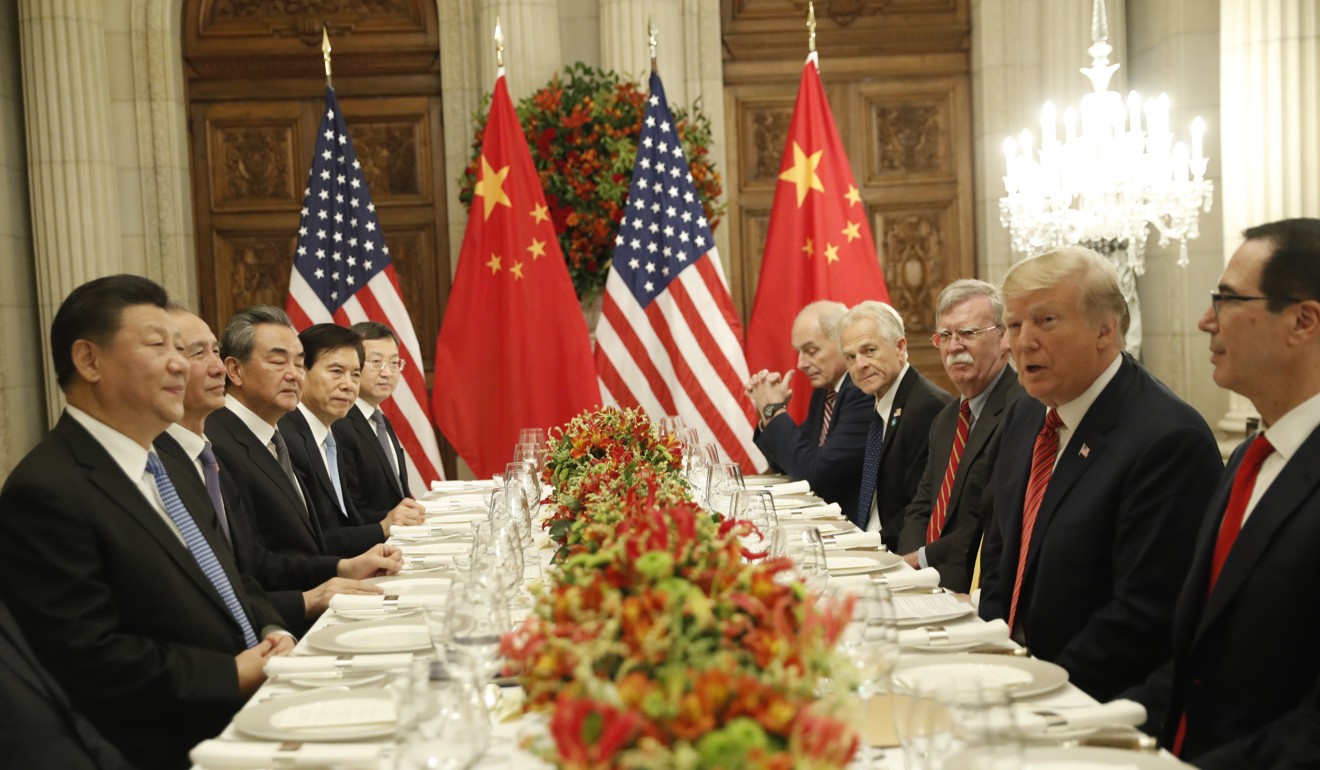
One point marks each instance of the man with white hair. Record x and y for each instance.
(826, 449)
(872, 339)
(943, 524)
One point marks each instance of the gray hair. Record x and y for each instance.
(828, 313)
(1097, 283)
(886, 319)
(964, 289)
(240, 334)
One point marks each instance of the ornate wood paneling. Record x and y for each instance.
(256, 90)
(897, 75)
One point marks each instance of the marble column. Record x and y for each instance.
(531, 43)
(75, 220)
(1269, 67)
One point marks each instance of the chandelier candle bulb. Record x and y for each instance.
(1134, 111)
(1047, 121)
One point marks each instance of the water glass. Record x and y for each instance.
(452, 730)
(725, 478)
(516, 473)
(479, 618)
(982, 725)
(669, 425)
(757, 507)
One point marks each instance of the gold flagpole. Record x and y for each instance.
(325, 54)
(499, 44)
(651, 41)
(811, 27)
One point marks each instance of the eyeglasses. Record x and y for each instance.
(394, 364)
(941, 338)
(1218, 297)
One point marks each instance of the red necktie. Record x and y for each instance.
(939, 513)
(1042, 468)
(825, 421)
(1244, 482)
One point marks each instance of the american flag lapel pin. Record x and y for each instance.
(1085, 451)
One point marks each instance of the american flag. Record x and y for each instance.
(342, 274)
(668, 339)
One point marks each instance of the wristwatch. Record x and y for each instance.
(769, 410)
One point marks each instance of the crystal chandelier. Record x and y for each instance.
(1110, 177)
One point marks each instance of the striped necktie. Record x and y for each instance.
(332, 465)
(197, 545)
(826, 418)
(211, 474)
(939, 513)
(383, 436)
(1042, 468)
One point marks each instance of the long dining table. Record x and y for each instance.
(259, 731)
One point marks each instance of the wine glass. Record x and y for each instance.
(696, 471)
(452, 730)
(724, 479)
(510, 502)
(757, 507)
(480, 618)
(669, 425)
(813, 568)
(516, 473)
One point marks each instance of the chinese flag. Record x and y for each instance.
(513, 350)
(819, 243)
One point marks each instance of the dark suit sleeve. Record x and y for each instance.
(917, 516)
(993, 604)
(1156, 523)
(921, 417)
(354, 469)
(833, 470)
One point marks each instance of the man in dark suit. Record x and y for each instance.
(375, 466)
(1099, 486)
(942, 526)
(333, 357)
(826, 449)
(872, 339)
(1241, 681)
(137, 611)
(40, 728)
(299, 585)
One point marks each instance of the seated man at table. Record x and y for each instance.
(375, 465)
(1241, 681)
(1099, 486)
(133, 607)
(299, 585)
(942, 528)
(872, 339)
(333, 357)
(826, 449)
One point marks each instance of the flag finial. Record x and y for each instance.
(651, 40)
(499, 44)
(811, 27)
(325, 54)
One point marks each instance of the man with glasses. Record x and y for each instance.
(1101, 480)
(1238, 689)
(826, 449)
(942, 528)
(375, 466)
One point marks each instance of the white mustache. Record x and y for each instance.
(962, 358)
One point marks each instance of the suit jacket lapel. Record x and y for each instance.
(367, 436)
(123, 493)
(1085, 447)
(982, 430)
(1294, 486)
(896, 414)
(316, 465)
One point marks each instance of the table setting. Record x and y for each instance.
(472, 657)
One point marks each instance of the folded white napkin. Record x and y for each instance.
(988, 633)
(454, 503)
(462, 486)
(818, 511)
(425, 562)
(1118, 713)
(791, 488)
(921, 578)
(318, 664)
(420, 530)
(359, 602)
(247, 755)
(854, 540)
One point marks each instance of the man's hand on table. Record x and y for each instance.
(407, 513)
(913, 560)
(251, 662)
(380, 559)
(317, 600)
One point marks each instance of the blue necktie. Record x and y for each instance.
(201, 550)
(332, 462)
(875, 441)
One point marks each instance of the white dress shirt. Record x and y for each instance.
(1286, 435)
(1072, 412)
(883, 406)
(131, 457)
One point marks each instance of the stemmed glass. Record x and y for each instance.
(725, 478)
(529, 481)
(756, 506)
(452, 730)
(813, 568)
(479, 619)
(698, 462)
(870, 644)
(669, 424)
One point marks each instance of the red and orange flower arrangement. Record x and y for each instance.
(655, 643)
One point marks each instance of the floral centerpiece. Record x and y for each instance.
(582, 128)
(656, 642)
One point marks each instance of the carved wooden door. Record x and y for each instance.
(897, 75)
(256, 88)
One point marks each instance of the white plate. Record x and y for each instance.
(1021, 677)
(943, 648)
(399, 585)
(1082, 758)
(264, 720)
(404, 634)
(764, 480)
(336, 679)
(791, 503)
(860, 562)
